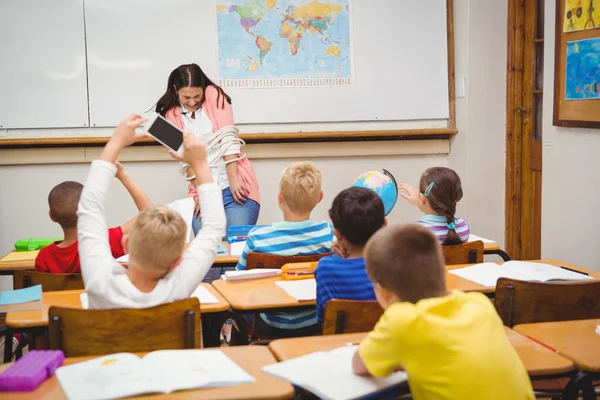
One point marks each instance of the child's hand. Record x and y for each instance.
(339, 250)
(411, 195)
(194, 152)
(121, 171)
(125, 133)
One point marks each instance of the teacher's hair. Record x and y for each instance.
(187, 75)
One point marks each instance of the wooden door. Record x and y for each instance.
(525, 79)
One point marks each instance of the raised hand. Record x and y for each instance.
(410, 194)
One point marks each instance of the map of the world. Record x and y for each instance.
(284, 43)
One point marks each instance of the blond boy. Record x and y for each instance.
(158, 271)
(299, 193)
(452, 345)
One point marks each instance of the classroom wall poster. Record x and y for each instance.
(583, 70)
(284, 43)
(581, 15)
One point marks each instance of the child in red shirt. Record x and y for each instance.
(63, 257)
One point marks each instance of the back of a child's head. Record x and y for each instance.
(443, 190)
(300, 186)
(357, 213)
(157, 238)
(63, 200)
(408, 261)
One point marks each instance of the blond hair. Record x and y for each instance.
(300, 186)
(157, 238)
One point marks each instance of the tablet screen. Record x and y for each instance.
(166, 133)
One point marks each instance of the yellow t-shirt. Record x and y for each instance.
(452, 347)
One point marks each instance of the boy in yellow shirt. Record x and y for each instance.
(452, 345)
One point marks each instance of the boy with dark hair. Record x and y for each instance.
(63, 257)
(356, 214)
(452, 345)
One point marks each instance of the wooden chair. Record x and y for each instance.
(50, 282)
(350, 316)
(466, 253)
(523, 302)
(262, 260)
(92, 332)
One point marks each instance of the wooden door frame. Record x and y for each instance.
(520, 156)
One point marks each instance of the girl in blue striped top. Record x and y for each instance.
(439, 192)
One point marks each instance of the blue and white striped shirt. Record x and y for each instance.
(341, 278)
(288, 239)
(437, 224)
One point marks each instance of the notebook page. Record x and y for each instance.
(329, 375)
(236, 248)
(301, 290)
(543, 272)
(474, 238)
(108, 377)
(204, 296)
(487, 274)
(191, 369)
(185, 208)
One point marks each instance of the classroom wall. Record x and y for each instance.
(570, 178)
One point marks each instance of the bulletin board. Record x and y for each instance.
(577, 61)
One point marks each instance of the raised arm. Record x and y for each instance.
(140, 198)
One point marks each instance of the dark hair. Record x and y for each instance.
(407, 260)
(357, 213)
(63, 200)
(443, 196)
(187, 75)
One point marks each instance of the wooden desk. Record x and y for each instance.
(249, 358)
(26, 261)
(538, 360)
(70, 298)
(576, 340)
(257, 294)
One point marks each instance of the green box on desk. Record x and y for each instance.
(33, 244)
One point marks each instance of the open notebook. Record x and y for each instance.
(487, 274)
(125, 374)
(301, 290)
(329, 375)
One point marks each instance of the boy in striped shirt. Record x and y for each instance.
(299, 193)
(356, 213)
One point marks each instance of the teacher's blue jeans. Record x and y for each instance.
(236, 214)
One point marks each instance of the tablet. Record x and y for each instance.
(165, 132)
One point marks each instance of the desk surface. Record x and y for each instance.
(70, 298)
(249, 358)
(576, 340)
(538, 360)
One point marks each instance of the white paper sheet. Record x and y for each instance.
(205, 297)
(85, 301)
(301, 290)
(474, 238)
(185, 208)
(236, 248)
(329, 375)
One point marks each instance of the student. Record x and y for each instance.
(356, 213)
(299, 193)
(439, 192)
(158, 271)
(451, 345)
(62, 257)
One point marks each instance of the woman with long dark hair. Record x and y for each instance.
(194, 103)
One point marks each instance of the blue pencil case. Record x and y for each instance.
(31, 370)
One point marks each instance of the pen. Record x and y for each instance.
(299, 273)
(577, 272)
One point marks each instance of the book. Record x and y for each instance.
(20, 256)
(474, 238)
(301, 290)
(125, 374)
(250, 274)
(487, 274)
(329, 375)
(26, 299)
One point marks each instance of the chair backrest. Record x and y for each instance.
(50, 282)
(91, 332)
(466, 253)
(350, 316)
(522, 302)
(262, 260)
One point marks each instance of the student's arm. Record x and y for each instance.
(94, 249)
(140, 198)
(358, 366)
(202, 251)
(409, 193)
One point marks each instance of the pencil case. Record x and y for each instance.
(33, 244)
(235, 231)
(297, 271)
(31, 370)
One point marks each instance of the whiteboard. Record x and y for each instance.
(43, 72)
(399, 55)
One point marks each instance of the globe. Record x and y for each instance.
(382, 183)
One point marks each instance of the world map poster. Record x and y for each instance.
(284, 43)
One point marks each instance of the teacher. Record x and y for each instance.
(194, 103)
